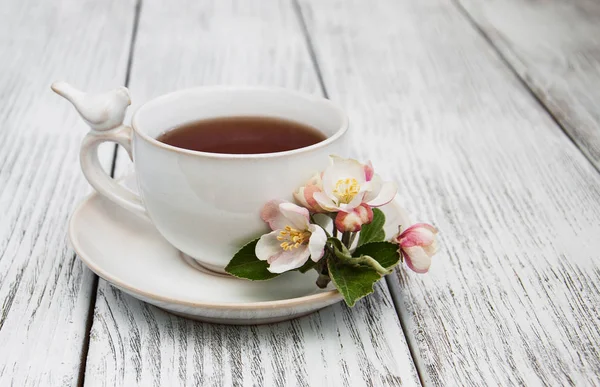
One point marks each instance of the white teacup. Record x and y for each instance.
(207, 205)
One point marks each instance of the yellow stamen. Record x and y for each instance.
(346, 189)
(292, 238)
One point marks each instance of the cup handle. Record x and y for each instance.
(99, 179)
(104, 113)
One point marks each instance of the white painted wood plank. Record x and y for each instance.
(512, 299)
(133, 343)
(555, 48)
(44, 291)
(186, 43)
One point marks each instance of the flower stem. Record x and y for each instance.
(352, 237)
(323, 281)
(334, 232)
(346, 238)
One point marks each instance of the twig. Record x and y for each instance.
(366, 260)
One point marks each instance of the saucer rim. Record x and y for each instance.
(323, 297)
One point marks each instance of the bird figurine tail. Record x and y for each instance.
(102, 111)
(67, 91)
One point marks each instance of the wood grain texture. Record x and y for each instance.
(554, 46)
(44, 291)
(512, 298)
(186, 43)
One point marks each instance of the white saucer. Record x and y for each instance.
(131, 255)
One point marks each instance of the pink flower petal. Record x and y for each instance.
(304, 194)
(316, 243)
(416, 237)
(301, 198)
(295, 216)
(270, 213)
(289, 260)
(268, 246)
(423, 225)
(417, 259)
(420, 234)
(309, 192)
(354, 220)
(369, 171)
(386, 195)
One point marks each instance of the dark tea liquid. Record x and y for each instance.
(242, 135)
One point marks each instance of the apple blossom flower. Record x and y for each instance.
(346, 184)
(304, 194)
(293, 239)
(354, 220)
(417, 244)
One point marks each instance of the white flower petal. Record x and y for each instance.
(289, 260)
(315, 180)
(299, 196)
(316, 243)
(296, 216)
(268, 246)
(325, 202)
(417, 259)
(342, 169)
(386, 195)
(359, 198)
(373, 188)
(432, 248)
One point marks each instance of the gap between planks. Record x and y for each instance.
(386, 279)
(476, 27)
(309, 44)
(463, 11)
(94, 294)
(473, 23)
(396, 302)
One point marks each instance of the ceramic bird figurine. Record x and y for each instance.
(103, 111)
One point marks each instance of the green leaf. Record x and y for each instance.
(245, 264)
(353, 282)
(307, 266)
(386, 253)
(373, 232)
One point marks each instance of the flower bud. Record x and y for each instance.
(417, 245)
(304, 194)
(354, 220)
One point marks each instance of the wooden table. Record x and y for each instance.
(487, 113)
